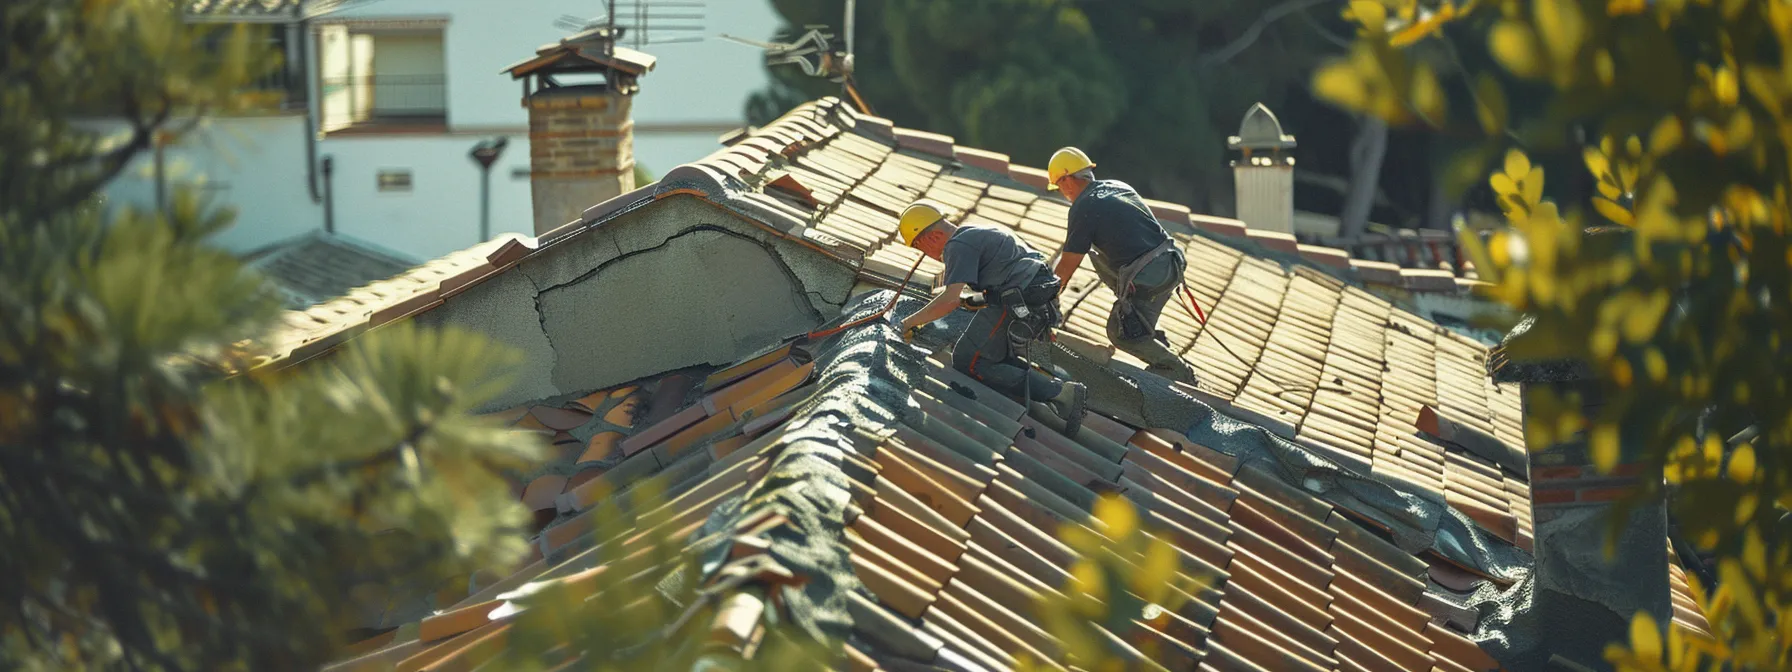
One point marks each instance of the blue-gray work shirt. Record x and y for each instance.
(990, 258)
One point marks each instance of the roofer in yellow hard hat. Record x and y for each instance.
(1133, 254)
(1021, 298)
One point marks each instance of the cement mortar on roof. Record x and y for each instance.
(503, 309)
(863, 381)
(1576, 579)
(828, 280)
(701, 296)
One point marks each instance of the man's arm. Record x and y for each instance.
(941, 306)
(1067, 263)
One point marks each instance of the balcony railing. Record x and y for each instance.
(379, 98)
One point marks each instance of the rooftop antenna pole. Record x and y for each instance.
(610, 35)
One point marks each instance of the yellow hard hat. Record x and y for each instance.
(1066, 161)
(916, 218)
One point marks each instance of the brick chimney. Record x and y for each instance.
(1262, 175)
(1585, 599)
(581, 137)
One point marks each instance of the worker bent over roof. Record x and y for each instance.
(1022, 306)
(1133, 254)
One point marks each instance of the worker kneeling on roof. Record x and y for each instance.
(1133, 254)
(1020, 297)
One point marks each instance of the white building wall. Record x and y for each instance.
(482, 38)
(696, 91)
(440, 214)
(254, 164)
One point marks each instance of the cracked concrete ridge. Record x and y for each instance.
(684, 282)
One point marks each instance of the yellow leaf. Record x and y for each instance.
(1725, 87)
(1742, 464)
(1645, 316)
(1562, 28)
(1666, 136)
(1428, 94)
(1152, 579)
(1086, 578)
(1645, 636)
(1080, 539)
(1340, 83)
(1767, 86)
(1623, 7)
(1503, 185)
(1622, 373)
(1517, 164)
(1605, 68)
(1532, 184)
(1741, 129)
(1603, 443)
(1499, 249)
(1597, 164)
(1745, 507)
(1119, 515)
(1754, 554)
(1655, 364)
(1371, 15)
(1470, 243)
(1490, 101)
(1516, 48)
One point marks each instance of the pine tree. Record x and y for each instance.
(161, 508)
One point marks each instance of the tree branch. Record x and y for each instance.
(1250, 35)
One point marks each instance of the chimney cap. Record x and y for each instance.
(583, 55)
(1260, 130)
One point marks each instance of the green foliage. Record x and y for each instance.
(1682, 310)
(1125, 579)
(1152, 89)
(155, 514)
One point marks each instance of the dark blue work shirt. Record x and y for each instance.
(1111, 218)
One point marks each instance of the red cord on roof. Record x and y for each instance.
(824, 333)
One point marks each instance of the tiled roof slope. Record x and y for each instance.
(951, 502)
(1329, 364)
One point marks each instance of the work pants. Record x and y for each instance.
(988, 351)
(1153, 288)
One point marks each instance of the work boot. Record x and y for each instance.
(1069, 405)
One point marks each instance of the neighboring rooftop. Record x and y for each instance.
(316, 267)
(244, 10)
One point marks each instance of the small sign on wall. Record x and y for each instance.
(394, 179)
(519, 173)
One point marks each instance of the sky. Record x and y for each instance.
(706, 81)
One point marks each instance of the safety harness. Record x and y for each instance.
(1131, 326)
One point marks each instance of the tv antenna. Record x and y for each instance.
(641, 23)
(815, 52)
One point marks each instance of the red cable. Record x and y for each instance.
(824, 333)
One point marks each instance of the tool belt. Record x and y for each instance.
(1035, 306)
(1132, 324)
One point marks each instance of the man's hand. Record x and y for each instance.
(1066, 266)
